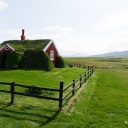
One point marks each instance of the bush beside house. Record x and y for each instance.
(31, 59)
(59, 62)
(13, 60)
(36, 60)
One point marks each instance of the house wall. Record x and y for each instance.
(52, 47)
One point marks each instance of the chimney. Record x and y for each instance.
(22, 36)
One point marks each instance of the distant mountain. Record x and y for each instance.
(83, 54)
(113, 54)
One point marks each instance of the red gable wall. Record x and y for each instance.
(52, 47)
(5, 49)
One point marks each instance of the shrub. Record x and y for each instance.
(36, 60)
(59, 62)
(34, 90)
(47, 63)
(12, 60)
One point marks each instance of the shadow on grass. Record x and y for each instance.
(41, 116)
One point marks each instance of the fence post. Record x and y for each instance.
(88, 74)
(73, 87)
(88, 68)
(61, 95)
(89, 71)
(80, 81)
(85, 77)
(12, 89)
(92, 70)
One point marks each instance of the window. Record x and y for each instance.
(6, 48)
(52, 54)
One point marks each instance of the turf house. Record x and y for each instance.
(29, 54)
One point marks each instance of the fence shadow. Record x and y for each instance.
(29, 113)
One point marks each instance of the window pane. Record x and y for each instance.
(52, 55)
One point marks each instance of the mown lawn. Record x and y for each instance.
(41, 78)
(100, 103)
(31, 112)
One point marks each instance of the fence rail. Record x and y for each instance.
(63, 93)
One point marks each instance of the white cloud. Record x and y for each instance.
(2, 22)
(2, 19)
(59, 29)
(114, 22)
(109, 34)
(59, 32)
(9, 35)
(3, 5)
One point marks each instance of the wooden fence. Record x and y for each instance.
(63, 93)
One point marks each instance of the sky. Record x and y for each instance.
(78, 27)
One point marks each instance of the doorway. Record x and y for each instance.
(3, 59)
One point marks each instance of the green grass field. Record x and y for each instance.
(100, 62)
(100, 103)
(42, 78)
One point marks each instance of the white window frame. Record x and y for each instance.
(52, 54)
(6, 48)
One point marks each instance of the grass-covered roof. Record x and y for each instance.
(19, 45)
